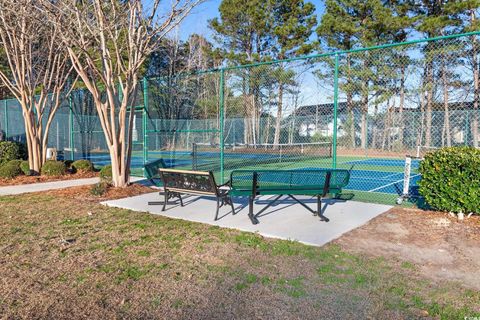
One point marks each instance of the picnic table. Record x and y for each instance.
(290, 183)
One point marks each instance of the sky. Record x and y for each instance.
(197, 21)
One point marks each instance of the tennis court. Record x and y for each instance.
(368, 175)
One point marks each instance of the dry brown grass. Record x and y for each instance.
(62, 255)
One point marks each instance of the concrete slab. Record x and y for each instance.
(285, 220)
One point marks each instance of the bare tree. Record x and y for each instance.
(37, 71)
(108, 41)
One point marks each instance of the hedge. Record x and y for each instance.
(106, 173)
(9, 151)
(53, 168)
(82, 165)
(10, 169)
(25, 166)
(451, 179)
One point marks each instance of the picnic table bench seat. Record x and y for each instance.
(314, 182)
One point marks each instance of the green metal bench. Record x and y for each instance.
(313, 182)
(151, 172)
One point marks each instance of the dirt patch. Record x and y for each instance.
(38, 179)
(443, 247)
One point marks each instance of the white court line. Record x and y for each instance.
(392, 175)
(387, 185)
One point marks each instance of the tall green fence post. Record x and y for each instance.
(72, 145)
(335, 111)
(222, 115)
(144, 122)
(6, 118)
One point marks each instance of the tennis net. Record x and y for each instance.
(206, 156)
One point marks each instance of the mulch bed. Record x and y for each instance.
(39, 179)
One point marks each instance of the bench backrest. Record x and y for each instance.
(151, 170)
(310, 181)
(199, 182)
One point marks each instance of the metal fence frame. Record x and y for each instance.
(145, 106)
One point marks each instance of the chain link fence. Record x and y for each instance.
(362, 109)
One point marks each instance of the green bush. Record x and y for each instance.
(15, 162)
(25, 167)
(99, 189)
(54, 168)
(451, 179)
(106, 173)
(10, 170)
(82, 165)
(9, 151)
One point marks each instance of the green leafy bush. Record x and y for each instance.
(54, 168)
(106, 173)
(451, 179)
(10, 170)
(99, 189)
(82, 165)
(25, 167)
(15, 162)
(9, 151)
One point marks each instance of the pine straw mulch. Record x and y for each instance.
(39, 179)
(83, 192)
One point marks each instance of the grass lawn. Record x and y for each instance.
(61, 257)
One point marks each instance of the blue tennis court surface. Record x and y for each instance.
(379, 181)
(382, 162)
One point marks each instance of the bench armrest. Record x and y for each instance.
(225, 184)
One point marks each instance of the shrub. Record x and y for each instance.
(54, 168)
(82, 166)
(10, 170)
(15, 162)
(99, 189)
(106, 173)
(451, 179)
(25, 167)
(9, 151)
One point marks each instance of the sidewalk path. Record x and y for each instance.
(54, 185)
(44, 186)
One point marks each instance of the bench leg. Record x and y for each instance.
(252, 217)
(166, 200)
(181, 201)
(218, 208)
(231, 205)
(319, 209)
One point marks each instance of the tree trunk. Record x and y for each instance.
(446, 116)
(429, 107)
(364, 129)
(35, 158)
(350, 106)
(400, 109)
(476, 91)
(363, 123)
(278, 120)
